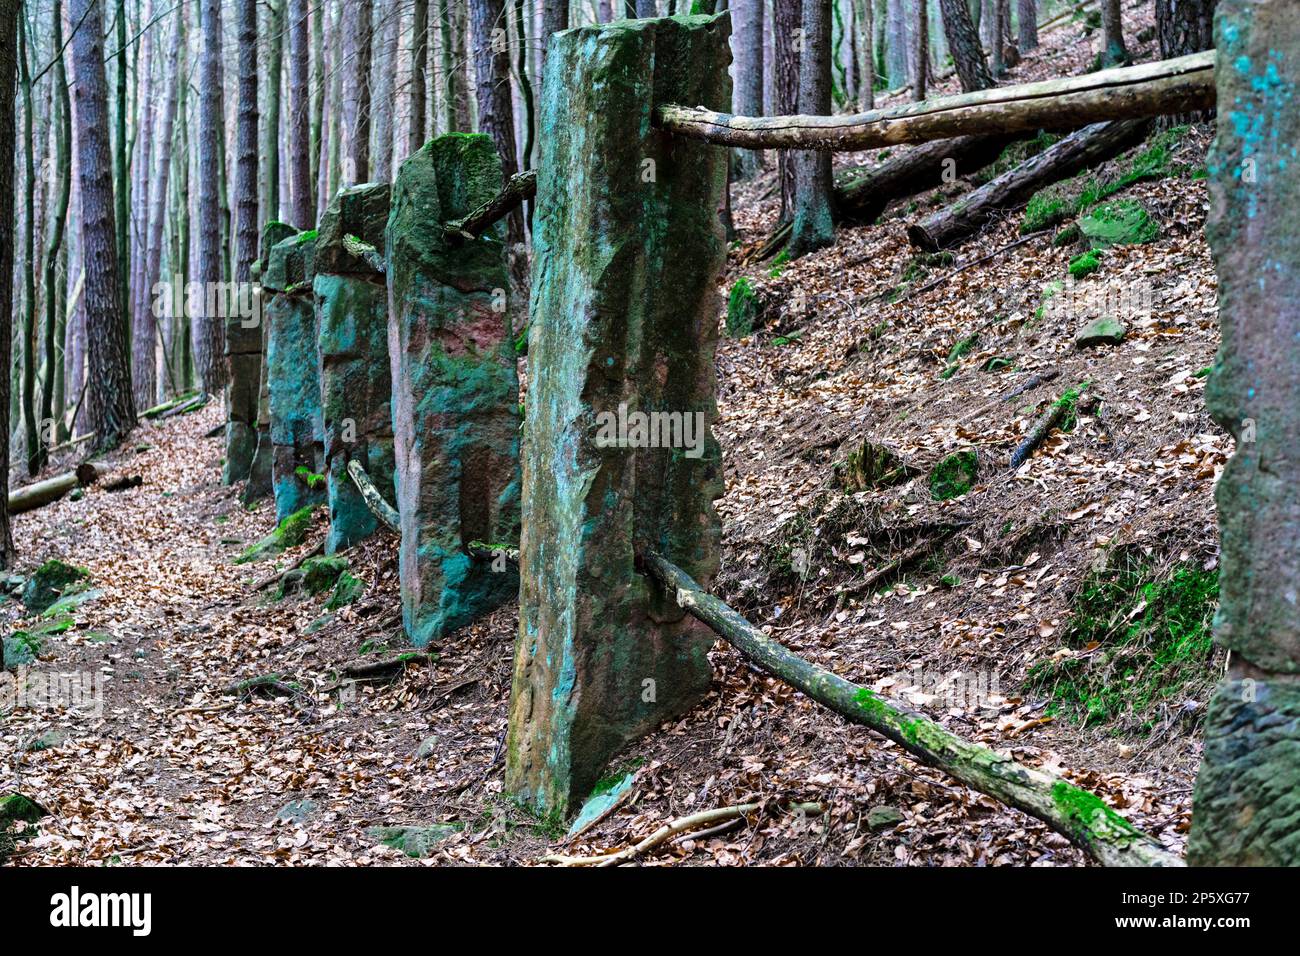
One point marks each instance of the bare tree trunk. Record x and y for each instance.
(868, 46)
(302, 202)
(9, 11)
(207, 331)
(555, 17)
(747, 94)
(459, 42)
(1184, 26)
(998, 45)
(814, 226)
(964, 44)
(317, 73)
(358, 46)
(27, 399)
(1027, 15)
(1114, 52)
(525, 90)
(273, 138)
(788, 36)
(419, 77)
(146, 331)
(139, 225)
(389, 15)
(246, 205)
(922, 50)
(112, 413)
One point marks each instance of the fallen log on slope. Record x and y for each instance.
(1056, 413)
(1081, 817)
(1181, 85)
(50, 490)
(1086, 147)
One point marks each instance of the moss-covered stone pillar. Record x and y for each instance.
(1247, 802)
(619, 456)
(356, 380)
(244, 358)
(455, 388)
(260, 484)
(293, 376)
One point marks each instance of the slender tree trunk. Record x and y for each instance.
(112, 413)
(62, 169)
(814, 226)
(789, 43)
(460, 66)
(1184, 26)
(318, 76)
(246, 129)
(142, 171)
(868, 46)
(146, 330)
(122, 171)
(525, 90)
(302, 202)
(555, 17)
(356, 97)
(207, 330)
(389, 21)
(274, 136)
(495, 110)
(922, 49)
(964, 44)
(332, 141)
(419, 78)
(32, 439)
(1114, 52)
(747, 93)
(997, 43)
(1027, 15)
(9, 11)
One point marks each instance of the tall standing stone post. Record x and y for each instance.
(293, 376)
(455, 388)
(1247, 802)
(355, 376)
(619, 456)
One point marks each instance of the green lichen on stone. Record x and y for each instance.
(21, 649)
(1104, 330)
(296, 425)
(361, 213)
(1085, 264)
(416, 842)
(1088, 815)
(954, 475)
(1117, 223)
(347, 589)
(290, 533)
(16, 808)
(50, 582)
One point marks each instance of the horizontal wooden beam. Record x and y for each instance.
(1181, 85)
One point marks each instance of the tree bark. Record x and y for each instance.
(814, 226)
(1027, 16)
(27, 399)
(302, 201)
(1076, 814)
(273, 140)
(964, 45)
(921, 50)
(747, 92)
(1149, 89)
(419, 77)
(389, 16)
(357, 49)
(1183, 26)
(1114, 52)
(247, 229)
(58, 225)
(1085, 148)
(208, 331)
(9, 12)
(788, 38)
(496, 112)
(555, 17)
(112, 412)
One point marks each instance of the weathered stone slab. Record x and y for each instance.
(1247, 799)
(624, 323)
(455, 389)
(259, 484)
(293, 377)
(355, 219)
(356, 395)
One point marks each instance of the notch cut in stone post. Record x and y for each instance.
(455, 389)
(624, 325)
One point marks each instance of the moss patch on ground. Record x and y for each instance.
(1140, 637)
(954, 475)
(292, 531)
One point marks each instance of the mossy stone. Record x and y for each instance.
(320, 574)
(50, 582)
(954, 475)
(347, 589)
(290, 533)
(1118, 223)
(1106, 330)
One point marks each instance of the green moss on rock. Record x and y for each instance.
(954, 475)
(290, 533)
(320, 574)
(1119, 223)
(50, 582)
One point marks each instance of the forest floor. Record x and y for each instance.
(1031, 598)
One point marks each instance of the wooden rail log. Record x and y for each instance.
(1180, 85)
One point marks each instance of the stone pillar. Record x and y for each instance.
(244, 358)
(624, 325)
(259, 473)
(455, 389)
(1247, 802)
(293, 375)
(356, 379)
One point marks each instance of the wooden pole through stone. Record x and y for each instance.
(455, 388)
(1247, 800)
(619, 458)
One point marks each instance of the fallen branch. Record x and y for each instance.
(1038, 378)
(279, 576)
(182, 408)
(914, 553)
(380, 508)
(1181, 85)
(1043, 426)
(518, 188)
(51, 490)
(709, 818)
(167, 406)
(1081, 817)
(269, 683)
